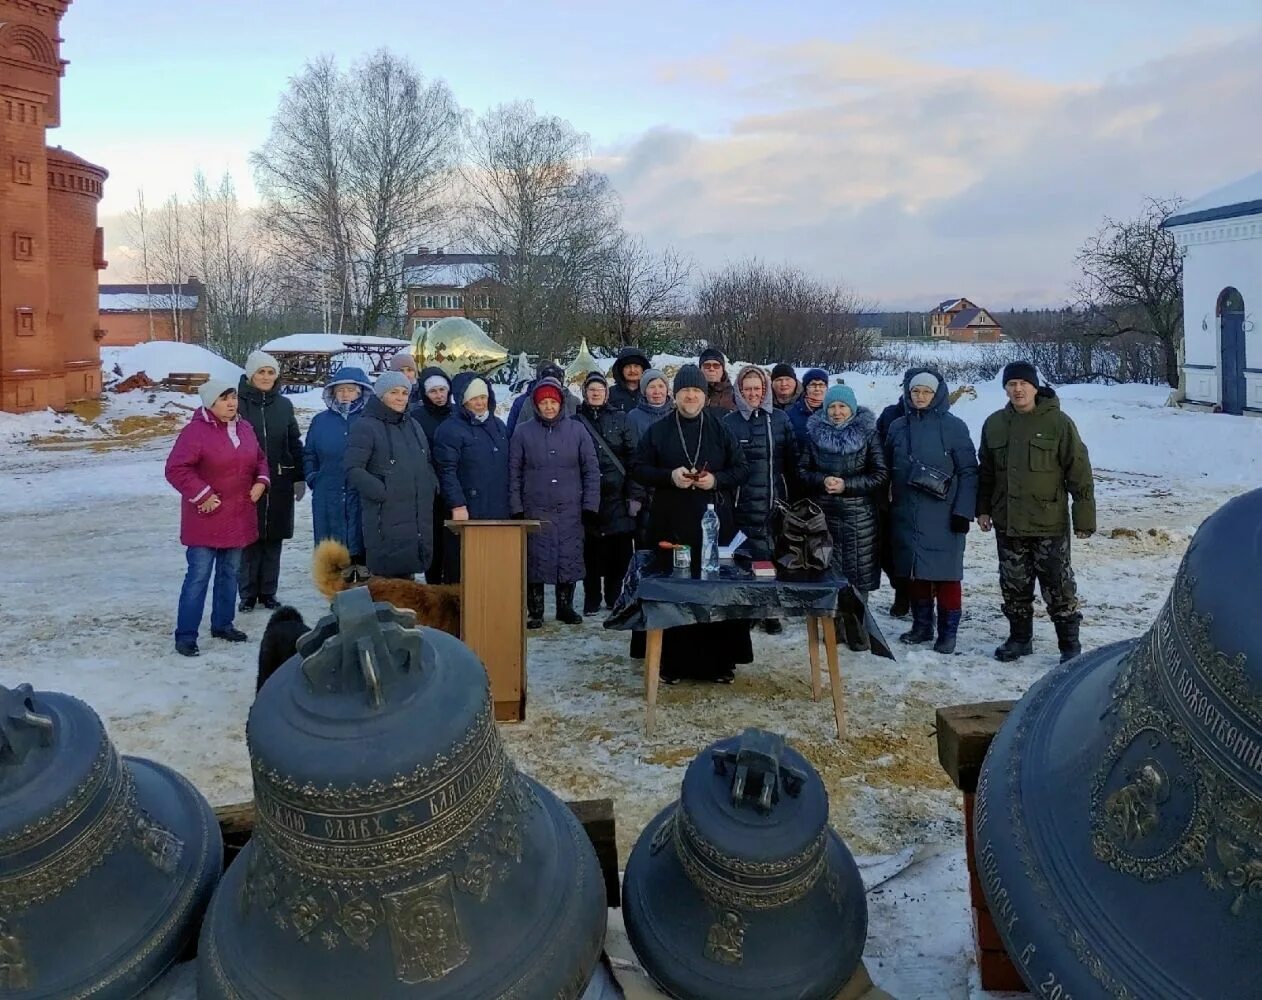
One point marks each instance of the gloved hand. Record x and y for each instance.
(519, 516)
(960, 524)
(591, 518)
(300, 490)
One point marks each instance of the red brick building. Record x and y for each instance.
(50, 245)
(136, 314)
(963, 322)
(441, 284)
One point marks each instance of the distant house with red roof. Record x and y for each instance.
(964, 322)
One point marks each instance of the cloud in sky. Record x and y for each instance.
(911, 178)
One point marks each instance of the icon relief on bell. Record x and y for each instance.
(725, 941)
(1134, 810)
(425, 931)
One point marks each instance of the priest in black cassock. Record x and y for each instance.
(691, 460)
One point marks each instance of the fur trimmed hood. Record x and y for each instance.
(852, 436)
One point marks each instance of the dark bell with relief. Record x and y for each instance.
(106, 862)
(397, 852)
(1118, 814)
(740, 889)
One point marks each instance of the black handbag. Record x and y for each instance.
(929, 480)
(803, 546)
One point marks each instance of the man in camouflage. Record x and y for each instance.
(1031, 461)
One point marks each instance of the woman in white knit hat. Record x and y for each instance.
(272, 416)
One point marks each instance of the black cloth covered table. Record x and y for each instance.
(653, 597)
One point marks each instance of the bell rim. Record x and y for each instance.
(222, 972)
(652, 933)
(1065, 902)
(172, 916)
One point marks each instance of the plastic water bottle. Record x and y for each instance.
(710, 542)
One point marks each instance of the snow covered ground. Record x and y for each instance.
(88, 539)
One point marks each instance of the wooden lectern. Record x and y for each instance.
(493, 606)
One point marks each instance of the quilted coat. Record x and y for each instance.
(472, 459)
(203, 461)
(335, 508)
(924, 545)
(387, 461)
(553, 476)
(852, 452)
(766, 438)
(271, 416)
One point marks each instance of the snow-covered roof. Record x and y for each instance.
(444, 275)
(142, 302)
(326, 343)
(1242, 197)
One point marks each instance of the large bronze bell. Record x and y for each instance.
(106, 862)
(397, 851)
(740, 890)
(1119, 810)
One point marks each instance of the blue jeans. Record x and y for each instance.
(223, 604)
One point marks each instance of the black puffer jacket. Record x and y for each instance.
(770, 448)
(851, 452)
(272, 417)
(620, 397)
(425, 413)
(615, 484)
(387, 461)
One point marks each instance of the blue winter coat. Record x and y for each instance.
(335, 509)
(472, 458)
(925, 547)
(554, 476)
(798, 413)
(546, 370)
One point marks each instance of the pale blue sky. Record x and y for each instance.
(759, 106)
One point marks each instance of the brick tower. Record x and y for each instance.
(50, 246)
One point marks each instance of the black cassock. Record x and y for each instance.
(702, 442)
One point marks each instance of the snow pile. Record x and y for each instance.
(159, 358)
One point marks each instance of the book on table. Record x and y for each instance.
(763, 569)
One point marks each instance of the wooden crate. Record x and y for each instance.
(185, 381)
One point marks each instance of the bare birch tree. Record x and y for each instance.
(531, 199)
(352, 175)
(137, 226)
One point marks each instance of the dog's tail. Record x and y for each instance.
(285, 613)
(329, 565)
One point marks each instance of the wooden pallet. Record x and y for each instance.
(184, 381)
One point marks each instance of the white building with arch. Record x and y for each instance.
(1221, 239)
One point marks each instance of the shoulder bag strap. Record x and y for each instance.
(603, 443)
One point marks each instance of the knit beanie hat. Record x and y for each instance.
(689, 377)
(404, 359)
(814, 375)
(712, 354)
(594, 377)
(390, 380)
(476, 387)
(547, 388)
(434, 381)
(1022, 370)
(924, 380)
(840, 394)
(212, 389)
(651, 374)
(783, 371)
(257, 360)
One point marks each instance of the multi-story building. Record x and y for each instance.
(963, 322)
(50, 245)
(439, 284)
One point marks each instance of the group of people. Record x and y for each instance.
(632, 462)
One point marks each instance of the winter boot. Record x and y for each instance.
(772, 626)
(1067, 638)
(948, 628)
(901, 607)
(1020, 641)
(534, 605)
(591, 596)
(921, 624)
(566, 614)
(855, 631)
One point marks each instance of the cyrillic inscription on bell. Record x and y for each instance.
(1118, 818)
(397, 851)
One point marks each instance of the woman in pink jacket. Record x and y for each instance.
(220, 471)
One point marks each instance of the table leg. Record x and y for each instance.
(812, 638)
(652, 672)
(834, 676)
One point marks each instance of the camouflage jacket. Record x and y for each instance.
(1029, 464)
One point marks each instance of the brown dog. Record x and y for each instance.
(436, 605)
